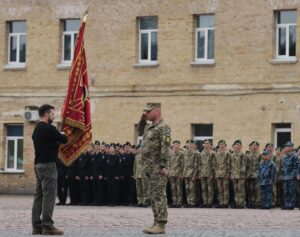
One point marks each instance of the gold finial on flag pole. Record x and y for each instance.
(85, 14)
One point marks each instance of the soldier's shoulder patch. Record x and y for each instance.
(166, 138)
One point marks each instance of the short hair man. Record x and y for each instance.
(45, 139)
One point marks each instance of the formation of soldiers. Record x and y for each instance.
(224, 178)
(112, 174)
(103, 175)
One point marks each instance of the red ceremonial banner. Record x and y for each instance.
(76, 113)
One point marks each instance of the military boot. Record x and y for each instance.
(157, 229)
(146, 230)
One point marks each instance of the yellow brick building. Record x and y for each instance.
(221, 69)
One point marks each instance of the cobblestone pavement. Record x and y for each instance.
(15, 221)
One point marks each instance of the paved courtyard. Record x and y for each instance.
(15, 221)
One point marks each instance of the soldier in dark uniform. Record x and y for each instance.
(129, 171)
(95, 172)
(101, 158)
(133, 194)
(111, 174)
(62, 185)
(83, 171)
(105, 148)
(73, 180)
(123, 182)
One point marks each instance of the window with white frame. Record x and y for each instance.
(69, 35)
(17, 42)
(202, 132)
(286, 34)
(14, 148)
(148, 39)
(205, 38)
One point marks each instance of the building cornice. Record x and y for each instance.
(157, 90)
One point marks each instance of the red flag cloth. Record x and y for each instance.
(76, 113)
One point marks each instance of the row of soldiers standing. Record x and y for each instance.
(103, 175)
(113, 175)
(221, 178)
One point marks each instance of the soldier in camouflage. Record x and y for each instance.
(176, 168)
(277, 185)
(253, 189)
(155, 155)
(206, 171)
(221, 164)
(289, 175)
(189, 173)
(141, 185)
(237, 173)
(266, 177)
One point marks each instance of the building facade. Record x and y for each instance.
(221, 69)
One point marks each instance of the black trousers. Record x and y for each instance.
(112, 191)
(86, 191)
(74, 190)
(62, 189)
(98, 194)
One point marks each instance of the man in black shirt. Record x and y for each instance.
(46, 139)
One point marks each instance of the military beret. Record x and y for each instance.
(133, 146)
(221, 141)
(268, 144)
(127, 143)
(176, 141)
(151, 106)
(237, 142)
(254, 143)
(290, 144)
(266, 152)
(206, 140)
(97, 142)
(190, 141)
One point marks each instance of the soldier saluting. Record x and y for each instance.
(155, 155)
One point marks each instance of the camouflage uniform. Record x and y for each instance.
(221, 164)
(277, 185)
(237, 174)
(289, 172)
(266, 177)
(141, 187)
(155, 155)
(189, 174)
(206, 174)
(253, 189)
(176, 168)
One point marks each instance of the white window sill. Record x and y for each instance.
(142, 65)
(208, 63)
(284, 61)
(15, 67)
(12, 171)
(64, 66)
